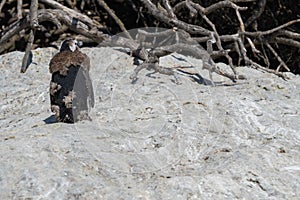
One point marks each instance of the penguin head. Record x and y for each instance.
(69, 45)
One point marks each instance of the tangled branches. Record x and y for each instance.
(239, 32)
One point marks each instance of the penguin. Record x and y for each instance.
(71, 88)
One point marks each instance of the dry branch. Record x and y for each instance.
(268, 32)
(282, 63)
(57, 17)
(79, 16)
(190, 28)
(34, 23)
(204, 28)
(222, 4)
(114, 16)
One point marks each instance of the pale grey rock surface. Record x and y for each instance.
(150, 140)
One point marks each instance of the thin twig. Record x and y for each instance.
(167, 6)
(268, 32)
(282, 63)
(258, 66)
(115, 17)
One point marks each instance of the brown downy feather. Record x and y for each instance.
(63, 60)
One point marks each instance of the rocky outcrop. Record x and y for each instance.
(153, 139)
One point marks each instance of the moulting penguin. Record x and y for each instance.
(71, 89)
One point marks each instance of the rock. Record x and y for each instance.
(150, 140)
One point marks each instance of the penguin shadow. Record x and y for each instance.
(50, 120)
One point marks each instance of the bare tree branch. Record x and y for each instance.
(152, 9)
(268, 32)
(282, 63)
(80, 17)
(34, 23)
(58, 17)
(114, 16)
(190, 23)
